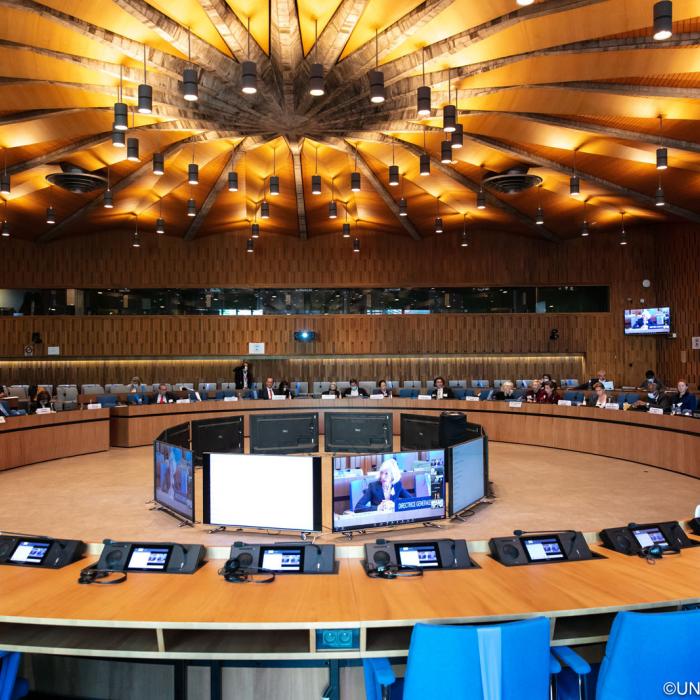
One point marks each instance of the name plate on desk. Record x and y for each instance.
(42, 411)
(376, 396)
(325, 397)
(278, 397)
(562, 402)
(656, 410)
(183, 401)
(471, 398)
(91, 407)
(425, 397)
(612, 406)
(515, 404)
(230, 398)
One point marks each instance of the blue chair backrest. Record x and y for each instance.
(468, 392)
(670, 639)
(137, 398)
(10, 685)
(571, 396)
(484, 395)
(632, 398)
(459, 393)
(620, 399)
(252, 394)
(107, 400)
(408, 393)
(509, 661)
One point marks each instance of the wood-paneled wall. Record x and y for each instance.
(385, 261)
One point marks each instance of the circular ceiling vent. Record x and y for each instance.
(512, 181)
(75, 179)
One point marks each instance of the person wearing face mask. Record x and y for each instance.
(440, 391)
(354, 391)
(685, 401)
(654, 399)
(649, 379)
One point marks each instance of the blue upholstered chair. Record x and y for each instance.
(511, 661)
(106, 400)
(459, 393)
(633, 398)
(11, 687)
(137, 399)
(485, 394)
(405, 393)
(468, 392)
(571, 396)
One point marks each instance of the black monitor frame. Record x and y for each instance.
(297, 425)
(187, 517)
(177, 435)
(449, 467)
(198, 450)
(334, 419)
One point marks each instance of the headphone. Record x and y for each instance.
(392, 571)
(92, 574)
(233, 572)
(651, 554)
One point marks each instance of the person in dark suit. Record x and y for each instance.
(43, 400)
(507, 392)
(684, 401)
(243, 377)
(354, 391)
(440, 391)
(649, 379)
(163, 395)
(599, 398)
(549, 395)
(600, 377)
(268, 391)
(382, 389)
(284, 390)
(3, 391)
(384, 493)
(654, 399)
(332, 390)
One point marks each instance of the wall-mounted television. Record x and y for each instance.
(392, 488)
(651, 321)
(173, 479)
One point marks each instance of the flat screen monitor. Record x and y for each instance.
(419, 432)
(467, 474)
(284, 433)
(350, 431)
(217, 435)
(392, 488)
(648, 321)
(177, 435)
(262, 491)
(173, 479)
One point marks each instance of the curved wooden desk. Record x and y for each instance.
(39, 438)
(668, 442)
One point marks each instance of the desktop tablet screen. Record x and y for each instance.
(650, 536)
(282, 559)
(543, 548)
(380, 490)
(30, 552)
(173, 479)
(149, 557)
(263, 491)
(467, 474)
(418, 554)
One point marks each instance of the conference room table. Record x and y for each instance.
(665, 441)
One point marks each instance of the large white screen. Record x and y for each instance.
(265, 491)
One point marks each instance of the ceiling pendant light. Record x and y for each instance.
(255, 230)
(232, 177)
(346, 225)
(574, 182)
(190, 88)
(5, 231)
(158, 164)
(403, 203)
(661, 151)
(356, 245)
(663, 20)
(121, 111)
(332, 206)
(445, 152)
(458, 133)
(132, 150)
(249, 72)
(438, 219)
(107, 199)
(316, 88)
(449, 111)
(481, 199)
(316, 178)
(265, 209)
(376, 77)
(355, 180)
(193, 171)
(524, 3)
(393, 169)
(463, 242)
(118, 139)
(274, 179)
(424, 160)
(660, 199)
(423, 94)
(135, 241)
(539, 216)
(50, 215)
(623, 235)
(584, 225)
(191, 206)
(145, 93)
(5, 180)
(160, 221)
(250, 245)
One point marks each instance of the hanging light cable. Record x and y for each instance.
(193, 171)
(463, 242)
(316, 88)
(346, 225)
(249, 72)
(539, 216)
(423, 93)
(160, 221)
(5, 231)
(145, 93)
(190, 88)
(458, 133)
(449, 112)
(136, 241)
(316, 178)
(5, 180)
(332, 206)
(584, 225)
(424, 159)
(233, 175)
(355, 180)
(574, 182)
(661, 151)
(438, 218)
(121, 113)
(274, 179)
(623, 235)
(108, 199)
(393, 169)
(376, 77)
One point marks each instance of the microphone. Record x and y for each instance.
(520, 533)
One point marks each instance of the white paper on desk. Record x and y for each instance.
(656, 410)
(376, 396)
(279, 397)
(183, 401)
(2, 419)
(48, 410)
(563, 402)
(515, 404)
(91, 406)
(230, 398)
(471, 398)
(612, 406)
(329, 396)
(425, 397)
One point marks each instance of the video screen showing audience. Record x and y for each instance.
(647, 321)
(173, 479)
(388, 489)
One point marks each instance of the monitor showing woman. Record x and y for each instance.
(384, 493)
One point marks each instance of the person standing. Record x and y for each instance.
(243, 377)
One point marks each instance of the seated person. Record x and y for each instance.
(546, 378)
(43, 400)
(548, 393)
(284, 390)
(507, 392)
(136, 387)
(649, 379)
(332, 390)
(685, 401)
(6, 411)
(440, 391)
(163, 395)
(654, 399)
(354, 390)
(384, 493)
(599, 398)
(3, 391)
(534, 391)
(268, 391)
(382, 389)
(600, 377)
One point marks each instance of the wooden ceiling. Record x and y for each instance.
(533, 85)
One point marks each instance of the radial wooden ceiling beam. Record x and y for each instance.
(638, 197)
(295, 149)
(286, 51)
(233, 31)
(375, 182)
(620, 89)
(59, 153)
